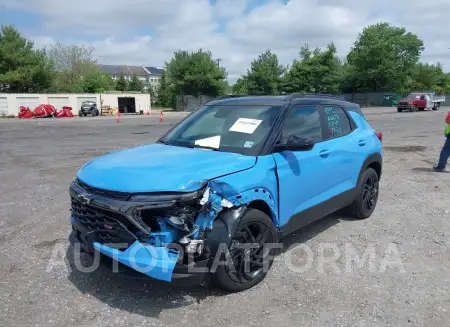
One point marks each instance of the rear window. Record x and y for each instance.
(357, 110)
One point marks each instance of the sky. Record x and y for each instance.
(147, 32)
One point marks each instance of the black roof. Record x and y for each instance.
(279, 100)
(154, 71)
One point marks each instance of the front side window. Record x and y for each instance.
(234, 128)
(302, 122)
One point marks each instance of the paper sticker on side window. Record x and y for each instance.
(245, 125)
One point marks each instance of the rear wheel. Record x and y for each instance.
(250, 254)
(367, 196)
(436, 106)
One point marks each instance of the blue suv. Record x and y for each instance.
(214, 196)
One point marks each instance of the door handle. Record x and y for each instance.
(362, 143)
(324, 153)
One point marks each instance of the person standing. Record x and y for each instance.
(445, 152)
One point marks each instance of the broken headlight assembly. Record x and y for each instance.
(167, 218)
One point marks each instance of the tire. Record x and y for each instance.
(399, 110)
(414, 109)
(436, 106)
(80, 114)
(230, 280)
(421, 109)
(97, 112)
(358, 209)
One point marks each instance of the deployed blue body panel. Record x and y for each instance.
(156, 262)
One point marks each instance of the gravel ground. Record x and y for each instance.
(406, 283)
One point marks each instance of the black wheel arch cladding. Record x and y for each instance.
(375, 161)
(223, 229)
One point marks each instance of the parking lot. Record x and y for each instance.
(410, 229)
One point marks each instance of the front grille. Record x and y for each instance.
(101, 192)
(108, 227)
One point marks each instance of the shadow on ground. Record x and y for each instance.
(149, 297)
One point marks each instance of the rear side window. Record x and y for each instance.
(337, 121)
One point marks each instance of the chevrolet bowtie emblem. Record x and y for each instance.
(85, 198)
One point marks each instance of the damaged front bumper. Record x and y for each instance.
(160, 235)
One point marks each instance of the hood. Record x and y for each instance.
(160, 168)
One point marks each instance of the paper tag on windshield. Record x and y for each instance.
(245, 125)
(212, 142)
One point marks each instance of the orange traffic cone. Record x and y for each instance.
(118, 117)
(161, 117)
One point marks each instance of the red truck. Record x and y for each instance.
(419, 101)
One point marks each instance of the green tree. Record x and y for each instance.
(316, 72)
(121, 83)
(195, 73)
(95, 81)
(71, 63)
(383, 57)
(135, 84)
(264, 76)
(241, 86)
(153, 90)
(22, 68)
(165, 96)
(428, 77)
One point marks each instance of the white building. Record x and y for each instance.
(147, 75)
(127, 103)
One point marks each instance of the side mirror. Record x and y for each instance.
(296, 143)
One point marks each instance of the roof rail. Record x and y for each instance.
(227, 96)
(313, 95)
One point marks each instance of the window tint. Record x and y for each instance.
(304, 122)
(337, 121)
(357, 110)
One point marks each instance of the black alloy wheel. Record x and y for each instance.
(367, 195)
(370, 193)
(248, 252)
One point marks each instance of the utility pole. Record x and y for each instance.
(218, 61)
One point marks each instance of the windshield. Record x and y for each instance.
(89, 103)
(241, 129)
(413, 96)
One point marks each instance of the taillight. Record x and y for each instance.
(379, 135)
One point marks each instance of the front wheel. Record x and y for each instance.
(367, 196)
(436, 106)
(250, 253)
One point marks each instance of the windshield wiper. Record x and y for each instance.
(197, 146)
